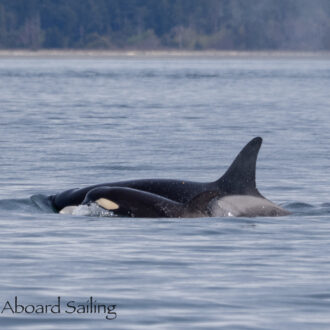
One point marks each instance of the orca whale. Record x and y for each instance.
(128, 202)
(234, 194)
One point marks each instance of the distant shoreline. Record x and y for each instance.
(159, 53)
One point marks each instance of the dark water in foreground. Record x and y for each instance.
(74, 122)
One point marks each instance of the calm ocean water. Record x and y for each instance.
(72, 122)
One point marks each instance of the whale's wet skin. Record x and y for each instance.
(234, 194)
(79, 122)
(251, 206)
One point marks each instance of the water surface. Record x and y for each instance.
(72, 122)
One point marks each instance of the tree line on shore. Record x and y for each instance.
(165, 24)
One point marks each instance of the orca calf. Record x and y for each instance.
(234, 194)
(130, 202)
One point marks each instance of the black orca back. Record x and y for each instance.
(239, 179)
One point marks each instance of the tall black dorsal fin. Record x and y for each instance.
(240, 178)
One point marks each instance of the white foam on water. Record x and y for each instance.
(92, 210)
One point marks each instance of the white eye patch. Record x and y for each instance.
(107, 204)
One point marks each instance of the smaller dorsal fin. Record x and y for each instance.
(240, 178)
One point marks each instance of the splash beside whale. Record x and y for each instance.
(234, 194)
